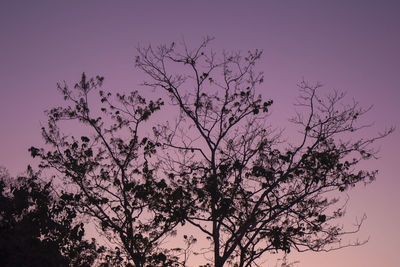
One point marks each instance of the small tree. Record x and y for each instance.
(106, 172)
(38, 229)
(245, 190)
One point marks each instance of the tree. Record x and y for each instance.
(106, 172)
(245, 190)
(220, 167)
(36, 229)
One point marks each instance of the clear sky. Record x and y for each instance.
(352, 46)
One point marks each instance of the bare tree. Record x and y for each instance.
(245, 189)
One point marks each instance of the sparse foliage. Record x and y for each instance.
(106, 171)
(247, 191)
(219, 167)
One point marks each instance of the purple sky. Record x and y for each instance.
(348, 45)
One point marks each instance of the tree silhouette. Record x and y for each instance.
(36, 229)
(220, 167)
(248, 191)
(106, 173)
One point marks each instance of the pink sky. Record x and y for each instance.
(348, 45)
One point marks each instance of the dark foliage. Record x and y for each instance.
(36, 229)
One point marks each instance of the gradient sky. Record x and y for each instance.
(352, 46)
